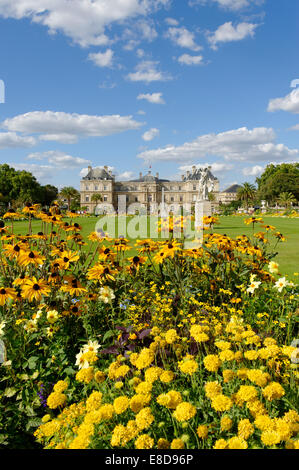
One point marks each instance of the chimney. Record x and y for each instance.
(193, 169)
(188, 173)
(140, 175)
(183, 176)
(157, 175)
(89, 168)
(106, 167)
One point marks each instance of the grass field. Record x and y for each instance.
(288, 252)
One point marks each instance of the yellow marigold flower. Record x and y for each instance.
(273, 391)
(202, 431)
(237, 443)
(227, 355)
(144, 418)
(121, 404)
(177, 444)
(119, 436)
(220, 444)
(270, 438)
(212, 389)
(144, 442)
(144, 359)
(171, 336)
(137, 402)
(238, 355)
(228, 375)
(246, 393)
(60, 386)
(283, 428)
(163, 444)
(223, 345)
(94, 401)
(118, 385)
(46, 418)
(56, 399)
(221, 403)
(245, 429)
(167, 376)
(85, 375)
(226, 423)
(188, 367)
(264, 423)
(171, 399)
(212, 362)
(251, 355)
(144, 387)
(152, 374)
(106, 411)
(198, 333)
(184, 411)
(258, 377)
(256, 408)
(121, 371)
(99, 376)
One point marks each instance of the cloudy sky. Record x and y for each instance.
(134, 83)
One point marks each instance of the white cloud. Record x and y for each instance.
(190, 60)
(59, 159)
(217, 167)
(65, 127)
(171, 21)
(288, 103)
(155, 98)
(125, 176)
(227, 33)
(295, 128)
(146, 71)
(43, 173)
(140, 53)
(147, 30)
(183, 38)
(229, 4)
(11, 139)
(102, 59)
(141, 112)
(234, 145)
(85, 22)
(151, 134)
(253, 170)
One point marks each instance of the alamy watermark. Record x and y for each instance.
(154, 221)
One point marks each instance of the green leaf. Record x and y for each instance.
(10, 392)
(108, 334)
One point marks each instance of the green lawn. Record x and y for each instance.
(288, 257)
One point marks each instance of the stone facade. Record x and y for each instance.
(228, 195)
(146, 191)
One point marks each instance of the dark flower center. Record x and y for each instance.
(2, 291)
(31, 255)
(36, 287)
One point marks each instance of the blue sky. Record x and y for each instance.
(133, 83)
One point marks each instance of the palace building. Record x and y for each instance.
(148, 191)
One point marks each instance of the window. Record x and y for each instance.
(181, 199)
(86, 198)
(86, 188)
(96, 188)
(105, 188)
(194, 197)
(105, 198)
(172, 199)
(180, 188)
(194, 187)
(136, 199)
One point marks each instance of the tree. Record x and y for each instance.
(20, 186)
(286, 199)
(277, 179)
(48, 194)
(69, 193)
(246, 193)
